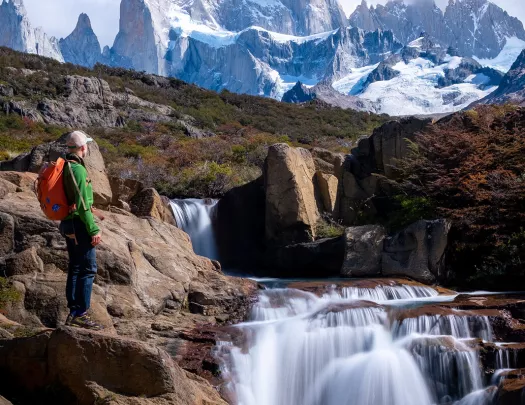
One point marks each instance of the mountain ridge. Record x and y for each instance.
(254, 48)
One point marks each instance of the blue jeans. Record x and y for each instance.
(82, 265)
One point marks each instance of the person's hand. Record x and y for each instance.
(95, 240)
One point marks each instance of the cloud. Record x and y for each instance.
(59, 17)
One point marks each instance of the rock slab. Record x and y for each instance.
(291, 206)
(418, 251)
(363, 251)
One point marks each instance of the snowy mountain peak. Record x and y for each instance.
(292, 17)
(474, 27)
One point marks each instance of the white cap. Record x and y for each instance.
(77, 139)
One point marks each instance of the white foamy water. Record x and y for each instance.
(194, 217)
(343, 349)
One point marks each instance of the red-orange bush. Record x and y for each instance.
(472, 168)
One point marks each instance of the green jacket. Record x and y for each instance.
(85, 203)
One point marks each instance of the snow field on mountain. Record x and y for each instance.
(506, 57)
(415, 90)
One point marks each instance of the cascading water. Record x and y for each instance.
(299, 349)
(194, 217)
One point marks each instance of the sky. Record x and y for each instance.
(59, 17)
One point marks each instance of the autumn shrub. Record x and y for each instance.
(472, 168)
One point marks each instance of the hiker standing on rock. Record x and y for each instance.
(81, 232)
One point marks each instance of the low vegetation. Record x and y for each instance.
(8, 294)
(161, 154)
(471, 168)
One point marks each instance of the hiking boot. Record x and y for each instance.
(69, 319)
(84, 321)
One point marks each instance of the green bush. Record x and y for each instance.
(409, 210)
(8, 294)
(325, 229)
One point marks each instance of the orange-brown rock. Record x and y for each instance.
(291, 205)
(149, 203)
(89, 367)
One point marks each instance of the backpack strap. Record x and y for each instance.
(76, 185)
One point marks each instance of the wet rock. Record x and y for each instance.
(291, 206)
(501, 356)
(363, 251)
(22, 108)
(322, 258)
(322, 287)
(511, 390)
(148, 203)
(417, 252)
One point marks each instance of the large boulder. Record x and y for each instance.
(123, 191)
(33, 161)
(88, 367)
(143, 264)
(327, 162)
(149, 203)
(390, 143)
(85, 102)
(363, 251)
(291, 205)
(417, 251)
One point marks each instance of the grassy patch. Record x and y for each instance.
(8, 294)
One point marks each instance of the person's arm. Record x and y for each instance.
(83, 209)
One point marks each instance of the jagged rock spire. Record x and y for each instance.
(82, 46)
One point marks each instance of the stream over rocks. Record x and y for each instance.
(388, 344)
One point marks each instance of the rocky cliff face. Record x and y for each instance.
(325, 93)
(81, 47)
(512, 87)
(292, 17)
(152, 294)
(475, 27)
(16, 32)
(268, 64)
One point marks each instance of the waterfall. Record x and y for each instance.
(506, 358)
(459, 326)
(194, 217)
(350, 348)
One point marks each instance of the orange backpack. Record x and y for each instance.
(50, 190)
